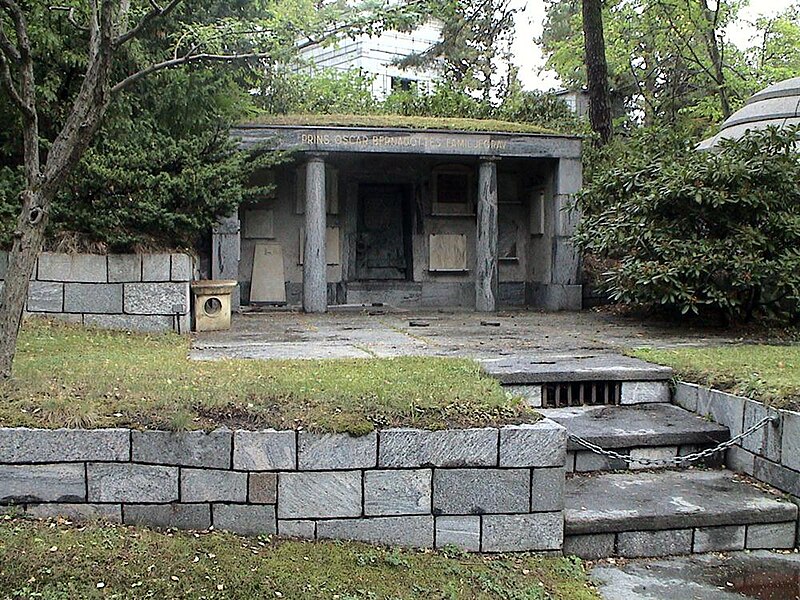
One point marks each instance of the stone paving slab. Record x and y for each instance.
(533, 369)
(618, 502)
(636, 426)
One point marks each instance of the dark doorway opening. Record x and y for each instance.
(383, 243)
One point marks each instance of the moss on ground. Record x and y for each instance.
(760, 371)
(51, 561)
(402, 122)
(67, 376)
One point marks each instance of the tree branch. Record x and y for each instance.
(70, 10)
(8, 48)
(156, 12)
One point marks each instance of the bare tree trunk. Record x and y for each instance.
(29, 238)
(597, 70)
(712, 45)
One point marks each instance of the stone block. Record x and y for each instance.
(480, 491)
(266, 450)
(566, 263)
(790, 443)
(462, 532)
(787, 480)
(332, 451)
(184, 448)
(211, 485)
(727, 410)
(301, 530)
(77, 512)
(397, 492)
(570, 176)
(263, 488)
(686, 396)
(640, 544)
(652, 453)
(23, 445)
(569, 467)
(42, 483)
(140, 323)
(771, 536)
(767, 440)
(531, 393)
(523, 533)
(547, 490)
(542, 444)
(412, 448)
(416, 531)
(586, 461)
(132, 483)
(156, 267)
(182, 267)
(86, 268)
(644, 392)
(590, 546)
(245, 519)
(3, 264)
(719, 539)
(319, 494)
(45, 296)
(124, 268)
(100, 298)
(156, 298)
(740, 460)
(168, 516)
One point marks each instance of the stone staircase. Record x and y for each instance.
(617, 508)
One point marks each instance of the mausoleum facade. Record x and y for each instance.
(407, 217)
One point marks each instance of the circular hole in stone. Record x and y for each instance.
(212, 307)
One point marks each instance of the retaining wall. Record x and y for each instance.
(137, 292)
(771, 454)
(488, 489)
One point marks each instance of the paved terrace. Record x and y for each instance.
(384, 332)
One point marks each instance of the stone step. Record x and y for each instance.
(660, 431)
(673, 512)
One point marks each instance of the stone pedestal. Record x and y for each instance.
(315, 284)
(486, 272)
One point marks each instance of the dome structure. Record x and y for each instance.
(777, 105)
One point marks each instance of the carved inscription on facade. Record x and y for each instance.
(414, 141)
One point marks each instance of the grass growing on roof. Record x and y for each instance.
(402, 122)
(763, 372)
(49, 560)
(67, 376)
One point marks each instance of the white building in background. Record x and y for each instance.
(377, 56)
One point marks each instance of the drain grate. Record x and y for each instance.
(581, 393)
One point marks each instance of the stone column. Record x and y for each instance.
(315, 277)
(225, 253)
(486, 274)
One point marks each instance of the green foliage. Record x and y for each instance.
(693, 232)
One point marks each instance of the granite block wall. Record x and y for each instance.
(488, 489)
(136, 292)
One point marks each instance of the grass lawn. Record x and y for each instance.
(66, 376)
(55, 561)
(762, 372)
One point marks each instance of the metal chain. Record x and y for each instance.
(677, 460)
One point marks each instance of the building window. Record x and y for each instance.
(402, 83)
(452, 190)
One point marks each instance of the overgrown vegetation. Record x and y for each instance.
(699, 232)
(762, 372)
(149, 382)
(55, 560)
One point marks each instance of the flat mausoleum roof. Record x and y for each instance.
(396, 134)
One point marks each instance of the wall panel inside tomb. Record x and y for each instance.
(439, 247)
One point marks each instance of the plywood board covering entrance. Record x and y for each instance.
(448, 252)
(268, 283)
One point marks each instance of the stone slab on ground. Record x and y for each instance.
(532, 369)
(617, 502)
(636, 426)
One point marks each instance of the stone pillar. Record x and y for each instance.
(486, 272)
(315, 276)
(226, 253)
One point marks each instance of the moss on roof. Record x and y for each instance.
(401, 122)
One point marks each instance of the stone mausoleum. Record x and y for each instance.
(407, 217)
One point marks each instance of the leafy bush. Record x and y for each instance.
(699, 232)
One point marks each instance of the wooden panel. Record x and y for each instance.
(259, 224)
(268, 283)
(447, 252)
